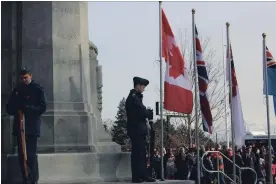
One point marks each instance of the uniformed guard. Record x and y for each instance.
(29, 98)
(137, 130)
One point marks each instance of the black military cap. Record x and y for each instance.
(141, 81)
(24, 71)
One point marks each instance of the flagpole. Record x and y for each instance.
(224, 86)
(230, 99)
(196, 96)
(267, 108)
(161, 88)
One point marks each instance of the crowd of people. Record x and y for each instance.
(181, 164)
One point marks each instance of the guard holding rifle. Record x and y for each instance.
(28, 101)
(137, 129)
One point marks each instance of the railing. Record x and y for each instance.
(238, 179)
(218, 171)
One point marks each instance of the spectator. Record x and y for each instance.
(180, 164)
(170, 166)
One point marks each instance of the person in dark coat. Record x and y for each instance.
(180, 164)
(156, 164)
(28, 97)
(238, 157)
(259, 166)
(193, 175)
(188, 164)
(208, 164)
(228, 166)
(239, 162)
(250, 160)
(243, 153)
(137, 130)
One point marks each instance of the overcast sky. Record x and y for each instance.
(126, 34)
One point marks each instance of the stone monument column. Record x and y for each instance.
(8, 70)
(53, 42)
(54, 46)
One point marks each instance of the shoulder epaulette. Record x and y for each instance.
(39, 86)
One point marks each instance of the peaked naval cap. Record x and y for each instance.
(24, 71)
(141, 81)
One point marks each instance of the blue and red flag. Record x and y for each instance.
(203, 81)
(271, 76)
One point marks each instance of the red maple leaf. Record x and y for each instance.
(176, 62)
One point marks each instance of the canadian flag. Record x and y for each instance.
(237, 115)
(178, 95)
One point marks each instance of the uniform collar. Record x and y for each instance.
(133, 91)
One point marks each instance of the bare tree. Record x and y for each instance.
(107, 123)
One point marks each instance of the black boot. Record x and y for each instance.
(149, 179)
(137, 181)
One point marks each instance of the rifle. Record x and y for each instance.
(23, 142)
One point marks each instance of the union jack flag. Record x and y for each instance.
(203, 80)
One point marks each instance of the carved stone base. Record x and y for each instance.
(65, 168)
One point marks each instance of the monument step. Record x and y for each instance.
(157, 182)
(77, 168)
(72, 168)
(129, 182)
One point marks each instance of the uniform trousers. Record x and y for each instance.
(138, 157)
(32, 163)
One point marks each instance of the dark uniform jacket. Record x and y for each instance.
(239, 161)
(137, 114)
(31, 99)
(250, 160)
(207, 162)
